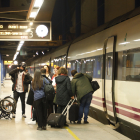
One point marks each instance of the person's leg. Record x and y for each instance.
(16, 96)
(44, 115)
(87, 105)
(81, 108)
(38, 106)
(59, 109)
(22, 98)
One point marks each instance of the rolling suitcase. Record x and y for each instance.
(59, 119)
(74, 113)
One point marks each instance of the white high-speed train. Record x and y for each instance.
(112, 57)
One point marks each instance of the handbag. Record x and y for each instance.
(95, 85)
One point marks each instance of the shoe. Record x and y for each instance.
(13, 115)
(23, 115)
(66, 124)
(39, 128)
(32, 122)
(79, 122)
(86, 122)
(43, 127)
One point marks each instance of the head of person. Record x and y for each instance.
(43, 71)
(62, 71)
(56, 70)
(22, 66)
(37, 81)
(47, 68)
(73, 72)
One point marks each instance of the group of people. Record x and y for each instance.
(80, 88)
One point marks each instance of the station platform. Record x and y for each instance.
(18, 128)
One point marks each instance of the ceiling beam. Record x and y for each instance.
(7, 52)
(14, 9)
(12, 16)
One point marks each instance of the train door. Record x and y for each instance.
(109, 50)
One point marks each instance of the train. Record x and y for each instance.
(111, 55)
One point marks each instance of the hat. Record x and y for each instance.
(23, 64)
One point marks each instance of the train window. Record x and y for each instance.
(128, 67)
(97, 69)
(89, 66)
(83, 66)
(78, 66)
(71, 66)
(60, 61)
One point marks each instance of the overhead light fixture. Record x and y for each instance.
(31, 23)
(38, 3)
(33, 14)
(124, 43)
(42, 52)
(36, 53)
(7, 54)
(17, 53)
(33, 55)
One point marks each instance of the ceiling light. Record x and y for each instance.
(17, 53)
(7, 54)
(33, 55)
(36, 53)
(33, 14)
(19, 47)
(38, 3)
(42, 52)
(15, 62)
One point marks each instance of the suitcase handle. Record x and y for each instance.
(69, 103)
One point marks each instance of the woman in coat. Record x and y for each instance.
(38, 84)
(63, 92)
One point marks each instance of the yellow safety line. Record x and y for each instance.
(72, 133)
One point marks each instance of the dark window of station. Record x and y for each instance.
(128, 65)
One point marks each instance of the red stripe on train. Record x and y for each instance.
(98, 103)
(128, 114)
(119, 104)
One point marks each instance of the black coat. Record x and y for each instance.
(26, 80)
(30, 99)
(63, 90)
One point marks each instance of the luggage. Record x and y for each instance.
(59, 119)
(74, 113)
(95, 85)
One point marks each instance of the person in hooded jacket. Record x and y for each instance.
(63, 92)
(20, 80)
(81, 87)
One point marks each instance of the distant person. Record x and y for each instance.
(82, 88)
(38, 84)
(54, 82)
(48, 72)
(63, 92)
(21, 80)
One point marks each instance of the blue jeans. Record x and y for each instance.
(84, 106)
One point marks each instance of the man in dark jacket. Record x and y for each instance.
(21, 79)
(81, 87)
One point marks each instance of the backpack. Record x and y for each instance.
(49, 91)
(95, 85)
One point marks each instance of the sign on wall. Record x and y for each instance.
(25, 30)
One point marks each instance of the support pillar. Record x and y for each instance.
(78, 18)
(100, 12)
